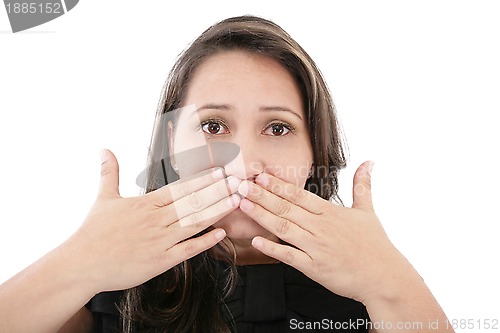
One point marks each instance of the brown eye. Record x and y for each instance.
(277, 129)
(213, 127)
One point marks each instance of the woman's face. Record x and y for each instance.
(252, 101)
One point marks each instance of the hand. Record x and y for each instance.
(344, 249)
(127, 241)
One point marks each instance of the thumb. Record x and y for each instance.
(362, 187)
(108, 186)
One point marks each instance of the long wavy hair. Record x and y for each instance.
(190, 296)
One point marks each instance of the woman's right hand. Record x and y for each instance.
(124, 242)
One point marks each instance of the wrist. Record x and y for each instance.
(79, 266)
(398, 282)
(408, 300)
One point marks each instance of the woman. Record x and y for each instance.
(257, 246)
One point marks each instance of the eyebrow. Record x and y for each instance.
(225, 107)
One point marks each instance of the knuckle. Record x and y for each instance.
(195, 201)
(297, 194)
(195, 219)
(283, 226)
(363, 180)
(288, 256)
(257, 194)
(283, 208)
(368, 184)
(316, 269)
(191, 248)
(154, 200)
(105, 171)
(282, 190)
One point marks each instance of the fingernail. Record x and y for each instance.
(218, 174)
(370, 167)
(233, 201)
(246, 205)
(233, 183)
(220, 234)
(257, 242)
(103, 154)
(244, 188)
(262, 179)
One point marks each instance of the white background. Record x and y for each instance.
(416, 85)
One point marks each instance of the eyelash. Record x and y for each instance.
(289, 127)
(209, 121)
(222, 123)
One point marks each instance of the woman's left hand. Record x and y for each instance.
(344, 249)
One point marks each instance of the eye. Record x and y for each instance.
(214, 127)
(278, 129)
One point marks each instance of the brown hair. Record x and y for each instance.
(189, 297)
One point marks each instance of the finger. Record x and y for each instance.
(181, 188)
(108, 186)
(282, 227)
(206, 197)
(208, 216)
(362, 188)
(191, 247)
(193, 225)
(299, 196)
(284, 253)
(280, 208)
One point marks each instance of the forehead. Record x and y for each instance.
(243, 78)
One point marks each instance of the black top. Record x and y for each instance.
(270, 298)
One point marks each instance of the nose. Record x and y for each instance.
(249, 163)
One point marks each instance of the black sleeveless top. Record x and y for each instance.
(269, 298)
